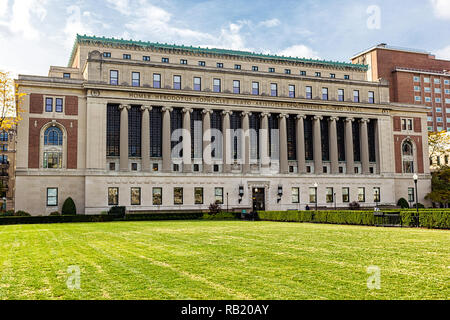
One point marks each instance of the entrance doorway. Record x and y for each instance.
(259, 199)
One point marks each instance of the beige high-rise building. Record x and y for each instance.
(157, 127)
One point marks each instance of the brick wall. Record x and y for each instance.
(71, 127)
(36, 103)
(71, 105)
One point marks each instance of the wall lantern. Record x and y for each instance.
(241, 193)
(280, 193)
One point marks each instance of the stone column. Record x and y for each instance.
(349, 155)
(226, 144)
(364, 138)
(187, 145)
(334, 156)
(301, 154)
(317, 136)
(166, 140)
(124, 152)
(207, 159)
(145, 139)
(246, 141)
(284, 163)
(264, 141)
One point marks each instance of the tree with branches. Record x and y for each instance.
(10, 102)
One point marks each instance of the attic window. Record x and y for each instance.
(66, 75)
(107, 54)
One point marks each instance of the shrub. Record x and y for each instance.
(22, 214)
(69, 208)
(222, 216)
(118, 212)
(214, 208)
(402, 203)
(55, 214)
(354, 205)
(9, 213)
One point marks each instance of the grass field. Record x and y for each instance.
(222, 260)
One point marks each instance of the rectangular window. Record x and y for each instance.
(146, 58)
(308, 92)
(340, 94)
(255, 88)
(417, 88)
(418, 98)
(66, 75)
(157, 81)
(183, 61)
(52, 197)
(410, 124)
(197, 84)
(202, 63)
(59, 105)
(361, 194)
(237, 66)
(236, 86)
(427, 99)
(136, 79)
(376, 195)
(332, 75)
(356, 96)
(135, 196)
(295, 195)
(177, 82)
(403, 124)
(324, 93)
(312, 195)
(426, 80)
(217, 85)
(165, 60)
(437, 90)
(411, 195)
(218, 195)
(447, 91)
(255, 68)
(437, 81)
(271, 70)
(219, 65)
(107, 54)
(438, 109)
(416, 79)
(427, 89)
(346, 195)
(114, 77)
(274, 90)
(318, 74)
(113, 196)
(157, 196)
(303, 73)
(287, 71)
(49, 105)
(127, 56)
(438, 100)
(330, 195)
(291, 91)
(371, 97)
(198, 195)
(446, 81)
(346, 77)
(177, 196)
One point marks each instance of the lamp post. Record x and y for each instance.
(315, 188)
(416, 177)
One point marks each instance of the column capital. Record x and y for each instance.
(334, 118)
(207, 111)
(246, 113)
(188, 110)
(349, 119)
(125, 106)
(164, 109)
(318, 118)
(283, 115)
(265, 114)
(227, 112)
(364, 120)
(301, 116)
(148, 108)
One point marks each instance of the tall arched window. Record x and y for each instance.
(53, 148)
(408, 157)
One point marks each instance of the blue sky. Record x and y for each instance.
(35, 34)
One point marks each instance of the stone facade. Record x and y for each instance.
(66, 137)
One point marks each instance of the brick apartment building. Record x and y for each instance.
(416, 77)
(7, 169)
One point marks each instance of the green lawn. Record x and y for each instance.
(222, 260)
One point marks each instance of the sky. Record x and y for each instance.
(35, 34)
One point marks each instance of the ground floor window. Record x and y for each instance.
(52, 197)
(113, 196)
(135, 196)
(376, 195)
(361, 194)
(346, 195)
(178, 196)
(312, 195)
(411, 195)
(295, 195)
(219, 195)
(157, 196)
(330, 195)
(198, 193)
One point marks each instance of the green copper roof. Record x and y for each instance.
(102, 40)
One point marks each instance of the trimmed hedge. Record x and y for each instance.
(222, 216)
(54, 219)
(163, 216)
(432, 219)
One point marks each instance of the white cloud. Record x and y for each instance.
(444, 53)
(441, 8)
(3, 7)
(123, 6)
(300, 51)
(270, 23)
(75, 25)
